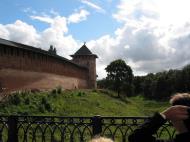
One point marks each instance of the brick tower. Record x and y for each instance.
(85, 58)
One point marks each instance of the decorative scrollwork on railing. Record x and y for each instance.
(118, 128)
(72, 129)
(3, 128)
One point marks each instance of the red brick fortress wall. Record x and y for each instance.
(39, 64)
(28, 80)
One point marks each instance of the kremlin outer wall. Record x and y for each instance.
(23, 67)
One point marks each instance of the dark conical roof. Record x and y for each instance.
(83, 51)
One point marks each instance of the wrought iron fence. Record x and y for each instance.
(71, 129)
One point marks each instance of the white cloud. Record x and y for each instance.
(151, 39)
(73, 18)
(154, 35)
(60, 24)
(20, 31)
(53, 12)
(45, 19)
(173, 12)
(166, 12)
(4, 33)
(29, 10)
(57, 32)
(78, 17)
(53, 35)
(94, 6)
(136, 10)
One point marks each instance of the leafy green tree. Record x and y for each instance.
(186, 78)
(52, 50)
(162, 85)
(172, 81)
(161, 89)
(137, 82)
(103, 84)
(149, 85)
(179, 82)
(120, 76)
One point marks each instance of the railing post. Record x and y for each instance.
(12, 129)
(96, 125)
(1, 139)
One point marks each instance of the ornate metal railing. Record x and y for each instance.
(71, 129)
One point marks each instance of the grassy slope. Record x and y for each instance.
(79, 103)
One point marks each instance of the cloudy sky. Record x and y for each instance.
(150, 35)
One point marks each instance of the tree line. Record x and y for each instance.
(162, 85)
(157, 86)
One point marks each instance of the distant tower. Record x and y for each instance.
(85, 57)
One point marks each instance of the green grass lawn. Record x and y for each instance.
(79, 103)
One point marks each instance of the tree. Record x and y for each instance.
(162, 85)
(52, 50)
(137, 82)
(103, 83)
(120, 76)
(186, 78)
(149, 85)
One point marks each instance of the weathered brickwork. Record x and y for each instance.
(28, 80)
(20, 59)
(90, 63)
(24, 61)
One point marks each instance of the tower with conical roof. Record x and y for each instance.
(86, 58)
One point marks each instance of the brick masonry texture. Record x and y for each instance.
(22, 69)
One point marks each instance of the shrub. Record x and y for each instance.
(15, 99)
(27, 101)
(94, 90)
(54, 91)
(45, 105)
(59, 90)
(35, 90)
(48, 107)
(44, 101)
(41, 108)
(81, 94)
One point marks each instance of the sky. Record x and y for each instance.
(150, 35)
